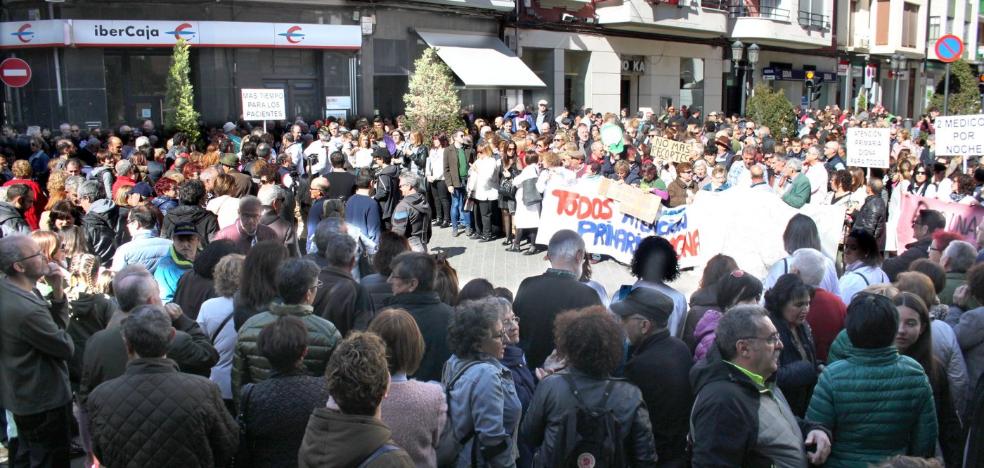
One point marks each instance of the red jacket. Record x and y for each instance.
(826, 318)
(33, 214)
(121, 181)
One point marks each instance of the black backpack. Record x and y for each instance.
(589, 436)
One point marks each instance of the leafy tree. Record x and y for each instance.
(965, 98)
(432, 102)
(770, 108)
(179, 99)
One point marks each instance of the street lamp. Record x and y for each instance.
(898, 64)
(737, 53)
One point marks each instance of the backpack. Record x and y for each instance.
(589, 436)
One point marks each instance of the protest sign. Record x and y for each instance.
(665, 149)
(606, 229)
(960, 135)
(868, 147)
(962, 219)
(632, 200)
(263, 104)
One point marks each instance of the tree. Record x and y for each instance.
(179, 99)
(965, 98)
(432, 103)
(770, 108)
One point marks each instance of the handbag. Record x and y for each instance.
(449, 447)
(469, 205)
(366, 267)
(507, 189)
(242, 457)
(531, 195)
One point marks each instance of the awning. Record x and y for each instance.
(481, 61)
(497, 5)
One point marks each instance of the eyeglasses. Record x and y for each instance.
(920, 172)
(28, 257)
(769, 340)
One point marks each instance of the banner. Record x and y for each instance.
(742, 223)
(263, 104)
(960, 135)
(607, 230)
(962, 219)
(665, 149)
(868, 147)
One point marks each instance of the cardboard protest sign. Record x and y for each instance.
(960, 135)
(868, 147)
(962, 219)
(632, 200)
(666, 149)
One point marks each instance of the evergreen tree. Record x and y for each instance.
(965, 98)
(432, 103)
(770, 108)
(179, 100)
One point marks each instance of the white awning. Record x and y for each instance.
(481, 61)
(497, 5)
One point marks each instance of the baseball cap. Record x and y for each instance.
(646, 302)
(542, 101)
(142, 188)
(184, 229)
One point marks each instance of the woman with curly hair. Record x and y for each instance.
(590, 342)
(483, 406)
(167, 193)
(788, 303)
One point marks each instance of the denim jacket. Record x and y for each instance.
(484, 400)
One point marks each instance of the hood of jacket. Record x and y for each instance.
(417, 202)
(333, 439)
(716, 370)
(392, 170)
(104, 211)
(187, 214)
(8, 211)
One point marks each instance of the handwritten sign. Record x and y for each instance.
(665, 149)
(960, 135)
(632, 200)
(868, 147)
(263, 104)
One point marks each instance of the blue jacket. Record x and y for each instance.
(483, 400)
(145, 249)
(169, 271)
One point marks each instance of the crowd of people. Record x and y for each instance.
(271, 300)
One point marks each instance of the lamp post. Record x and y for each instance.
(737, 53)
(898, 64)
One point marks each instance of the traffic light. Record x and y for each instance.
(809, 79)
(811, 88)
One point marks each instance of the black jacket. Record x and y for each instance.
(105, 356)
(660, 367)
(701, 301)
(554, 399)
(433, 318)
(412, 220)
(341, 300)
(275, 414)
(914, 251)
(797, 374)
(975, 428)
(387, 190)
(103, 230)
(727, 398)
(539, 300)
(192, 291)
(205, 221)
(286, 230)
(88, 314)
(154, 415)
(871, 218)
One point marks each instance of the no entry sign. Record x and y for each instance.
(15, 72)
(949, 48)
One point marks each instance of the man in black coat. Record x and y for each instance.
(412, 282)
(659, 365)
(540, 299)
(924, 225)
(154, 415)
(873, 214)
(341, 299)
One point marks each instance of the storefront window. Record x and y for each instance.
(692, 82)
(575, 69)
(131, 100)
(541, 61)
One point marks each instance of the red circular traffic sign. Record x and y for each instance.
(15, 72)
(949, 48)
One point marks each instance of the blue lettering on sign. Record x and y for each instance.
(605, 234)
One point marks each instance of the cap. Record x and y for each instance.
(141, 142)
(228, 127)
(320, 183)
(142, 188)
(646, 302)
(542, 101)
(229, 159)
(713, 113)
(184, 229)
(723, 141)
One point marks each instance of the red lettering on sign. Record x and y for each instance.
(582, 207)
(686, 244)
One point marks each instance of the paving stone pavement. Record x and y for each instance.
(489, 260)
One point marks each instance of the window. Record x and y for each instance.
(881, 31)
(934, 28)
(811, 14)
(692, 82)
(910, 25)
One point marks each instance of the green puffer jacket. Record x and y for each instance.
(878, 403)
(248, 366)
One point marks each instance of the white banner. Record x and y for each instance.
(960, 135)
(137, 33)
(263, 104)
(868, 147)
(25, 34)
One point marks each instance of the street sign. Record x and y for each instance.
(949, 48)
(15, 72)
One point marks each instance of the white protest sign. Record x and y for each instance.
(264, 104)
(960, 135)
(868, 147)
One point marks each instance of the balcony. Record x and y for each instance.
(771, 23)
(688, 18)
(814, 21)
(761, 10)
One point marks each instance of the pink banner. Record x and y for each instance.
(959, 218)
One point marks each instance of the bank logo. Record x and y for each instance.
(183, 31)
(24, 33)
(293, 35)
